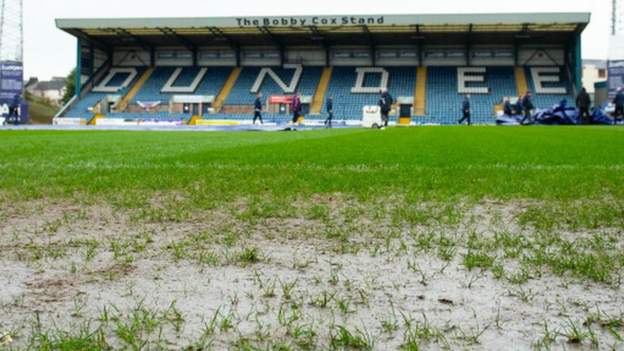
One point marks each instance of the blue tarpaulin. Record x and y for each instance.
(560, 114)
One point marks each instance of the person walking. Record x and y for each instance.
(258, 109)
(527, 104)
(618, 101)
(14, 109)
(330, 112)
(583, 103)
(385, 104)
(465, 111)
(518, 108)
(295, 107)
(507, 109)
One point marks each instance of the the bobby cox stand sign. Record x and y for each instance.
(309, 21)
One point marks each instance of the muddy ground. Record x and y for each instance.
(335, 276)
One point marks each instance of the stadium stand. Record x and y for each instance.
(81, 109)
(237, 57)
(443, 101)
(442, 98)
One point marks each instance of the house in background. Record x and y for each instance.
(594, 71)
(52, 90)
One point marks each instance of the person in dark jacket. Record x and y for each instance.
(385, 104)
(465, 111)
(583, 103)
(618, 101)
(330, 112)
(519, 109)
(507, 109)
(258, 109)
(14, 109)
(296, 108)
(527, 104)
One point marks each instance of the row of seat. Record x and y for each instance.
(443, 102)
(549, 100)
(241, 94)
(82, 108)
(211, 84)
(445, 107)
(401, 82)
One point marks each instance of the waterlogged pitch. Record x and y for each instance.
(404, 239)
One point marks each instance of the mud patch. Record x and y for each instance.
(337, 274)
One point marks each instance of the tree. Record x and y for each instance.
(70, 86)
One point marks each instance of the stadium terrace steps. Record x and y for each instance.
(420, 95)
(227, 89)
(93, 121)
(321, 90)
(123, 103)
(193, 120)
(521, 81)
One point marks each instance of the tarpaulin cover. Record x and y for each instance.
(560, 114)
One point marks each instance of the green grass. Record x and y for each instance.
(395, 194)
(417, 163)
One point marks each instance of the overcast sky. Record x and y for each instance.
(50, 52)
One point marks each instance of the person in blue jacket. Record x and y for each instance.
(14, 109)
(330, 112)
(258, 109)
(527, 104)
(296, 108)
(385, 104)
(519, 109)
(465, 110)
(507, 109)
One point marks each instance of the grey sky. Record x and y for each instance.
(49, 52)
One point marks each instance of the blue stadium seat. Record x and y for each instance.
(81, 107)
(444, 102)
(211, 84)
(241, 93)
(347, 105)
(546, 101)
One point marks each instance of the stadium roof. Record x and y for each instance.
(325, 30)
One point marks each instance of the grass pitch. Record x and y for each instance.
(405, 239)
(427, 163)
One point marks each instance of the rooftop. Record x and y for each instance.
(321, 30)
